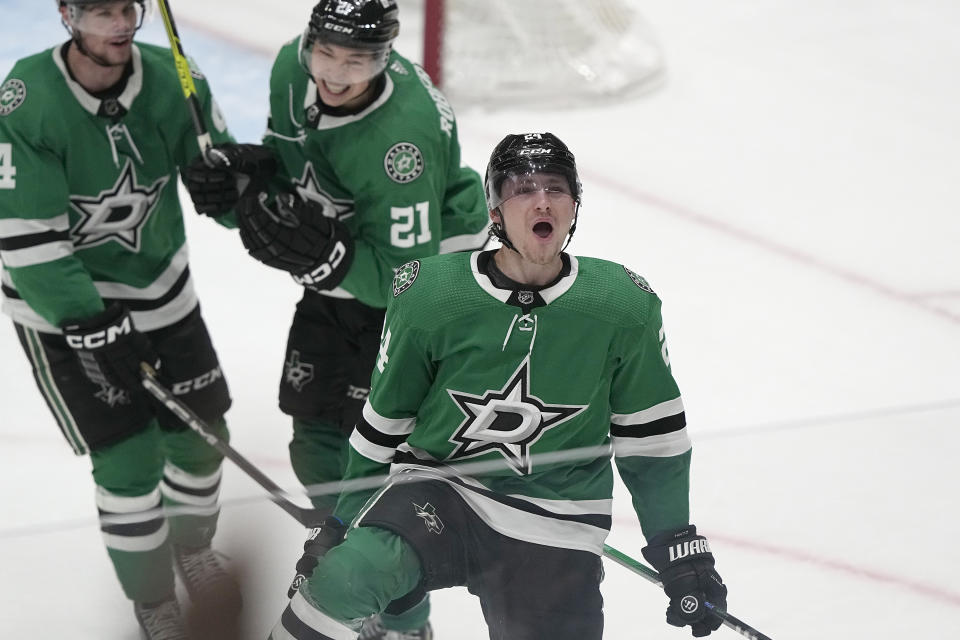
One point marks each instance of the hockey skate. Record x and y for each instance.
(373, 629)
(160, 620)
(205, 578)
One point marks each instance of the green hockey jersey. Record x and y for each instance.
(391, 173)
(89, 210)
(535, 390)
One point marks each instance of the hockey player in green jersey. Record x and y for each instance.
(364, 138)
(537, 366)
(96, 280)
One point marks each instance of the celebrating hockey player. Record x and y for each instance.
(95, 278)
(501, 358)
(370, 179)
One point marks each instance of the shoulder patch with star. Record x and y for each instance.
(405, 277)
(403, 162)
(12, 94)
(640, 281)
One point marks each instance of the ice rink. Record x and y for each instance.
(792, 192)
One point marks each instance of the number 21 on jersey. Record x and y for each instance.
(411, 225)
(7, 171)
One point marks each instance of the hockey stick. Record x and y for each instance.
(649, 574)
(210, 155)
(192, 420)
(304, 516)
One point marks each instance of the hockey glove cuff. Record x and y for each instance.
(321, 539)
(110, 349)
(238, 170)
(686, 569)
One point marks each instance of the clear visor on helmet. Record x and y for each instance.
(334, 63)
(114, 18)
(528, 185)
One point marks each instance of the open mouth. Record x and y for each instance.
(334, 88)
(543, 229)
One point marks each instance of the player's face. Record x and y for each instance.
(106, 28)
(537, 211)
(343, 75)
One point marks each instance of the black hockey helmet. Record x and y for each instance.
(367, 25)
(529, 153)
(358, 24)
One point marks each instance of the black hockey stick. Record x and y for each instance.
(649, 574)
(210, 155)
(149, 380)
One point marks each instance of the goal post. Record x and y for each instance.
(539, 51)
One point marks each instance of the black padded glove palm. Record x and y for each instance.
(237, 169)
(686, 569)
(321, 539)
(293, 235)
(110, 349)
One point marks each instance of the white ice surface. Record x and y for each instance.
(792, 194)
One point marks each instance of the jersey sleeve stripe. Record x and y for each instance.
(12, 227)
(369, 450)
(379, 438)
(36, 254)
(660, 446)
(466, 242)
(662, 410)
(28, 240)
(667, 424)
(389, 426)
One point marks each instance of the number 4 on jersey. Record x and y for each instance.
(7, 171)
(382, 357)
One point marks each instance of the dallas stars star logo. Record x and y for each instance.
(118, 213)
(308, 187)
(508, 421)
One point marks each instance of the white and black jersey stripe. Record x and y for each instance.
(24, 242)
(657, 432)
(168, 299)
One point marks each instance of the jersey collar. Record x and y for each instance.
(518, 297)
(93, 104)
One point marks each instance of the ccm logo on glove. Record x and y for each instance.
(97, 339)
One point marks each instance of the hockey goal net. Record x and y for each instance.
(539, 51)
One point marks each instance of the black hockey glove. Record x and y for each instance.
(293, 235)
(686, 569)
(322, 538)
(238, 169)
(110, 349)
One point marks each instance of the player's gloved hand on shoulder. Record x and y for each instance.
(686, 569)
(322, 538)
(237, 170)
(294, 235)
(110, 349)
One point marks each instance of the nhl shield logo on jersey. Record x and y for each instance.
(12, 94)
(404, 162)
(639, 280)
(405, 277)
